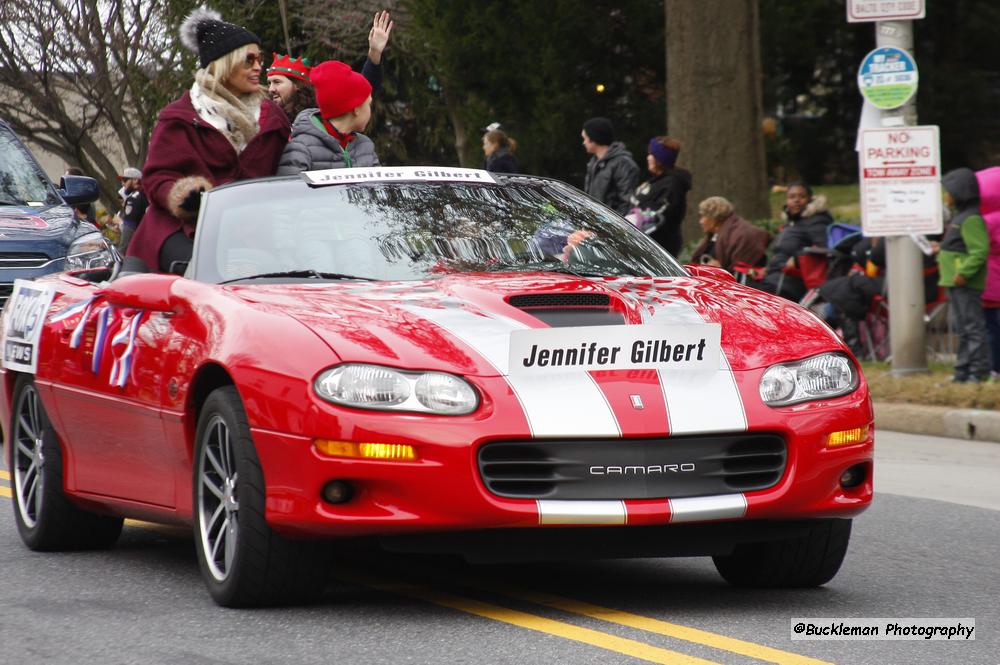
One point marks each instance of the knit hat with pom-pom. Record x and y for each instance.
(205, 33)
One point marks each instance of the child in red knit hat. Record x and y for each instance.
(330, 137)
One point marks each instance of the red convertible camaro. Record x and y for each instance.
(442, 359)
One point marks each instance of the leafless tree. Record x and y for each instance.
(83, 77)
(86, 79)
(340, 28)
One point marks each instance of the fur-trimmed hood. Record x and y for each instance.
(817, 206)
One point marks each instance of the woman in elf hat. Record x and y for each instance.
(330, 136)
(288, 83)
(222, 129)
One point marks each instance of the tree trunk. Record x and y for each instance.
(458, 123)
(714, 102)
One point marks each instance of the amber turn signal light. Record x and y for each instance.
(388, 452)
(846, 437)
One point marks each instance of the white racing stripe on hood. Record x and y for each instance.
(696, 401)
(568, 404)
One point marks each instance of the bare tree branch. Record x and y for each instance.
(85, 79)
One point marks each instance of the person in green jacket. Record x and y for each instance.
(962, 267)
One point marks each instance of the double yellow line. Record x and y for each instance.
(607, 641)
(563, 629)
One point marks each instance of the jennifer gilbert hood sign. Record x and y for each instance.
(550, 350)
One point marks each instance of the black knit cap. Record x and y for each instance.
(204, 32)
(600, 131)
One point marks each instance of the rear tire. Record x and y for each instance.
(45, 517)
(243, 561)
(806, 561)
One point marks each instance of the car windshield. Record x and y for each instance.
(284, 229)
(22, 182)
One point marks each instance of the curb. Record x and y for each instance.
(943, 421)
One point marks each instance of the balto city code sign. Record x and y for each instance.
(884, 10)
(900, 173)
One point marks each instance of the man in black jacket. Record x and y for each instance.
(612, 174)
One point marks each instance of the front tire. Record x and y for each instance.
(45, 517)
(243, 561)
(805, 561)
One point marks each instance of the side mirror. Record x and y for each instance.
(77, 189)
(712, 272)
(150, 291)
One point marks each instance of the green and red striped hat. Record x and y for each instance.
(284, 65)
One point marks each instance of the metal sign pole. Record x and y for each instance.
(907, 340)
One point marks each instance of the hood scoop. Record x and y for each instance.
(564, 310)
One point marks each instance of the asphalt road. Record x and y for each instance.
(927, 549)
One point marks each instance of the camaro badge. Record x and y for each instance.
(637, 402)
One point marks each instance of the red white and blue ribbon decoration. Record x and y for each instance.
(74, 341)
(121, 367)
(72, 309)
(122, 344)
(100, 339)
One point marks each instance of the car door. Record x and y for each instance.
(108, 397)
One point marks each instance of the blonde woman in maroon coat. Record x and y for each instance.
(223, 129)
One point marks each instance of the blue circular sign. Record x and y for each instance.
(888, 77)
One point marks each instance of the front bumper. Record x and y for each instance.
(443, 490)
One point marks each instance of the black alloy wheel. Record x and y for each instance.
(243, 561)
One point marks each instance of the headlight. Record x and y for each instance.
(387, 389)
(89, 251)
(823, 376)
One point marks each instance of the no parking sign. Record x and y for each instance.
(900, 181)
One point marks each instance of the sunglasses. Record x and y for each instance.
(253, 59)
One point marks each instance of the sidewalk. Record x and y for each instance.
(944, 421)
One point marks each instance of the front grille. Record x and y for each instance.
(22, 260)
(533, 300)
(671, 467)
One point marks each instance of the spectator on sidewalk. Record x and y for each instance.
(806, 219)
(989, 207)
(288, 82)
(499, 150)
(612, 174)
(658, 205)
(330, 137)
(729, 239)
(962, 259)
(223, 129)
(133, 207)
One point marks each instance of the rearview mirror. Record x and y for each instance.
(77, 189)
(149, 291)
